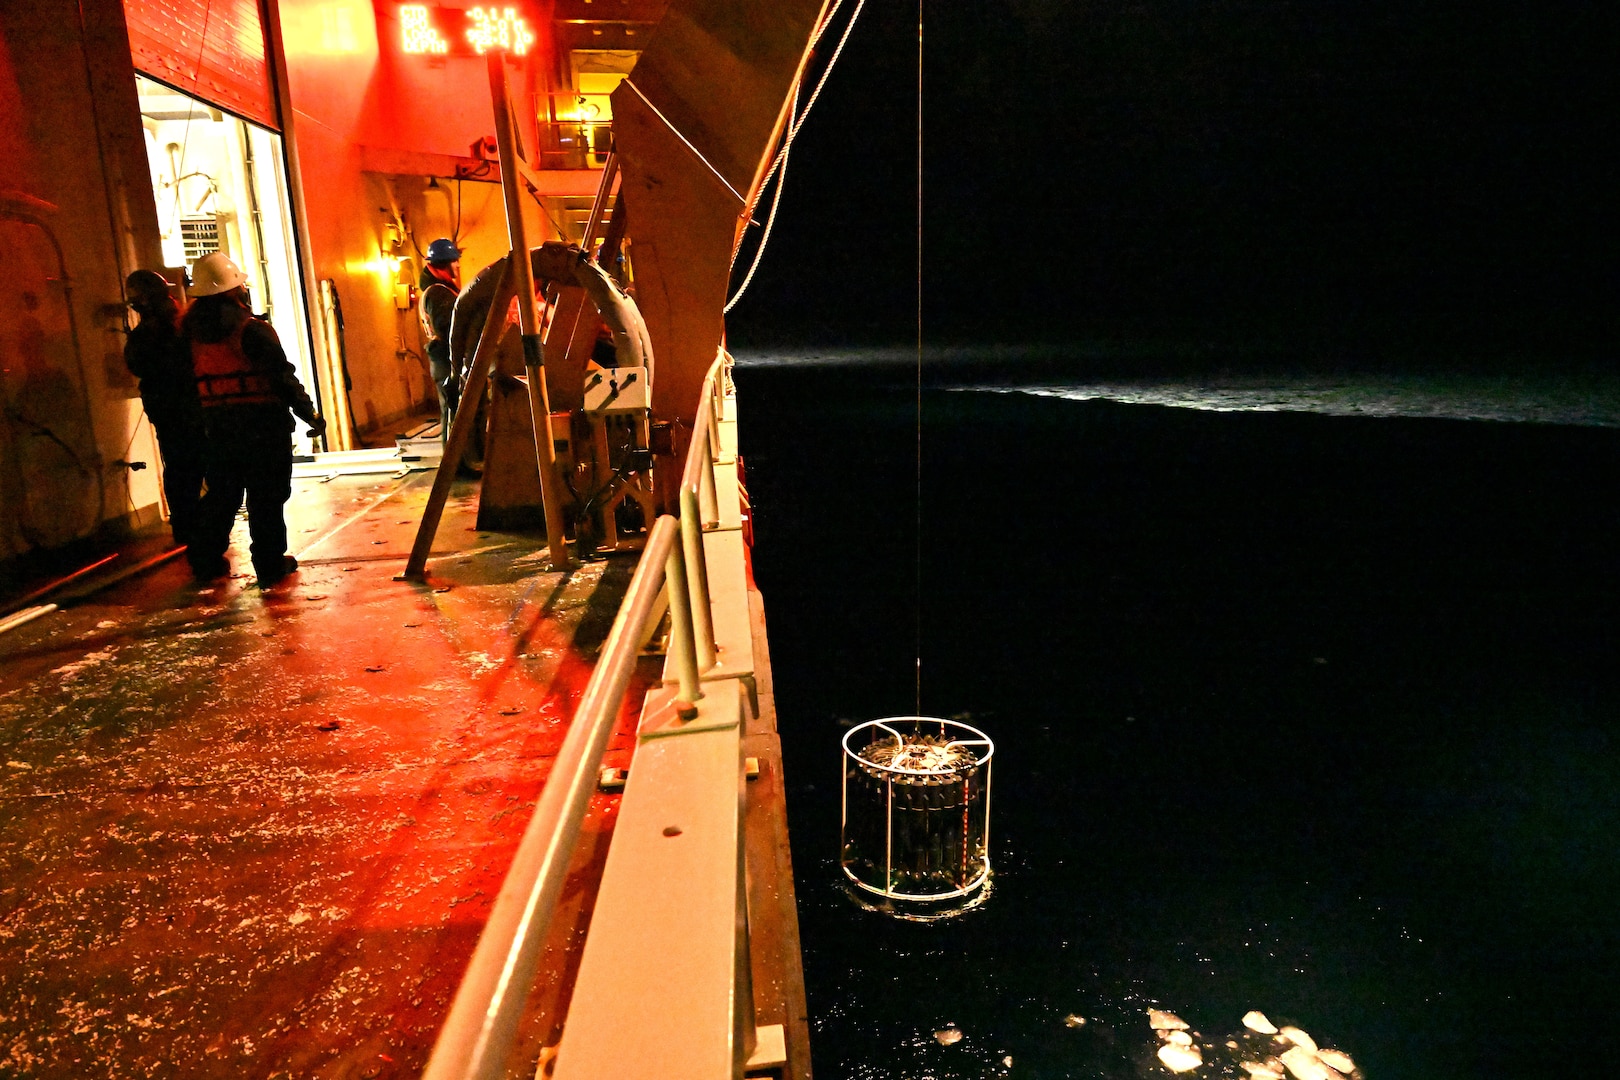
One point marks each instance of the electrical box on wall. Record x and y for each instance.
(617, 390)
(404, 296)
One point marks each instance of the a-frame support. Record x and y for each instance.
(517, 280)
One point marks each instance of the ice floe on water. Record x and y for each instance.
(1260, 1049)
(1180, 1058)
(1160, 1020)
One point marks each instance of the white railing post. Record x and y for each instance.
(682, 645)
(697, 578)
(707, 498)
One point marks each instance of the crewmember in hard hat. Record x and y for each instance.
(157, 355)
(246, 387)
(440, 284)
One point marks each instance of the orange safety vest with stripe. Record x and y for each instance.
(226, 375)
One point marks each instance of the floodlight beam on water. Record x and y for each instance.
(916, 808)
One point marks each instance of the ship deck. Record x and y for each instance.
(250, 832)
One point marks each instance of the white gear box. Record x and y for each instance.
(611, 390)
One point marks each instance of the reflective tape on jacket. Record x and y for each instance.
(226, 376)
(430, 333)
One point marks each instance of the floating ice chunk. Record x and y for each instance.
(948, 1036)
(1264, 1070)
(1007, 1061)
(1255, 1020)
(1298, 1038)
(1165, 1021)
(1180, 1058)
(1180, 1038)
(1304, 1065)
(1073, 1020)
(1337, 1059)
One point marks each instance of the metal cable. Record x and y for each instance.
(919, 353)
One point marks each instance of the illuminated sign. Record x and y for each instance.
(504, 30)
(435, 31)
(417, 33)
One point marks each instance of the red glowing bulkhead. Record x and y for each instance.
(428, 30)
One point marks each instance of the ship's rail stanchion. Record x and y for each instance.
(664, 982)
(700, 506)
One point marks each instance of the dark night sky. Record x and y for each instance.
(1335, 180)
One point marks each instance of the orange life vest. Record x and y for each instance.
(226, 376)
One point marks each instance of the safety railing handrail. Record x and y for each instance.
(700, 507)
(478, 1034)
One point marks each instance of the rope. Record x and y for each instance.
(770, 222)
(787, 144)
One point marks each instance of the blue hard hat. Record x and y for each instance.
(443, 250)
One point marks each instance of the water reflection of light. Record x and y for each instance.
(1519, 401)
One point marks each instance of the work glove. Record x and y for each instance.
(317, 428)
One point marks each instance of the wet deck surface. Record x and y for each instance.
(256, 833)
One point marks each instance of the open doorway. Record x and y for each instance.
(221, 185)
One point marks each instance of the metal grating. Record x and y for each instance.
(200, 236)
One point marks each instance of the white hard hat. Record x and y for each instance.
(214, 274)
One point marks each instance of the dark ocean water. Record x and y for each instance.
(1300, 706)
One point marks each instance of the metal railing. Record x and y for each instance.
(481, 1028)
(700, 507)
(575, 144)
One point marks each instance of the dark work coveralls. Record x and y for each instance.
(246, 387)
(437, 304)
(157, 355)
